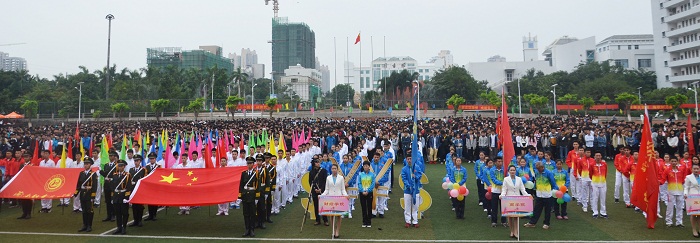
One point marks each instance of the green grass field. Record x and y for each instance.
(439, 223)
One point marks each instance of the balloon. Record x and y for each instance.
(466, 192)
(449, 185)
(460, 197)
(529, 185)
(488, 189)
(527, 176)
(488, 195)
(524, 179)
(554, 193)
(566, 197)
(560, 200)
(444, 185)
(455, 186)
(559, 195)
(445, 179)
(562, 189)
(454, 193)
(462, 190)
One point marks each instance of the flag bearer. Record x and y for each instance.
(85, 192)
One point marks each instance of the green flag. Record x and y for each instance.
(104, 155)
(396, 106)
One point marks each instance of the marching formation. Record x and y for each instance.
(560, 162)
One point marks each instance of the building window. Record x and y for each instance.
(644, 63)
(294, 80)
(619, 47)
(636, 47)
(629, 47)
(367, 82)
(590, 55)
(665, 63)
(509, 75)
(427, 70)
(362, 83)
(427, 77)
(624, 63)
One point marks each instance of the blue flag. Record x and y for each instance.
(414, 149)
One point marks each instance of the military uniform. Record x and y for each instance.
(317, 180)
(137, 173)
(152, 209)
(249, 193)
(120, 196)
(108, 173)
(85, 191)
(263, 182)
(26, 203)
(271, 187)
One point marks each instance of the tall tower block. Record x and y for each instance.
(530, 52)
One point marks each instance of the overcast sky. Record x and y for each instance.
(62, 35)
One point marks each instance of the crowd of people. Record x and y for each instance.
(355, 158)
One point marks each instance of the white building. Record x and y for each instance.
(248, 62)
(676, 26)
(627, 51)
(497, 71)
(8, 63)
(305, 82)
(566, 53)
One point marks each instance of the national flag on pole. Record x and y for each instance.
(104, 152)
(282, 146)
(35, 158)
(63, 156)
(506, 137)
(34, 182)
(175, 187)
(357, 40)
(689, 137)
(207, 158)
(122, 153)
(645, 191)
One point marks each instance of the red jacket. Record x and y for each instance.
(621, 162)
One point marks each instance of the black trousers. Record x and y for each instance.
(152, 211)
(121, 211)
(496, 208)
(540, 204)
(248, 214)
(314, 196)
(88, 212)
(366, 204)
(482, 193)
(137, 211)
(268, 206)
(108, 200)
(26, 207)
(559, 210)
(262, 211)
(459, 207)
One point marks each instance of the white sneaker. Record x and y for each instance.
(585, 210)
(187, 212)
(364, 226)
(485, 210)
(481, 204)
(386, 208)
(181, 212)
(218, 214)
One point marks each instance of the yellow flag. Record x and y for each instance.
(273, 149)
(370, 109)
(278, 110)
(282, 146)
(82, 150)
(63, 156)
(286, 106)
(683, 111)
(620, 111)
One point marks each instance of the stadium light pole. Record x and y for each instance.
(252, 99)
(695, 89)
(80, 99)
(555, 97)
(639, 94)
(109, 17)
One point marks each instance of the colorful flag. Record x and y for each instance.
(104, 153)
(357, 40)
(35, 158)
(34, 182)
(122, 153)
(63, 156)
(507, 138)
(207, 158)
(282, 146)
(645, 191)
(175, 187)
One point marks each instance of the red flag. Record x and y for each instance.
(35, 159)
(689, 137)
(645, 191)
(357, 40)
(498, 132)
(175, 187)
(34, 182)
(69, 149)
(241, 147)
(77, 132)
(506, 137)
(207, 157)
(92, 145)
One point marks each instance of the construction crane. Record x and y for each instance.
(275, 6)
(12, 44)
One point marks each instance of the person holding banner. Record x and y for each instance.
(317, 180)
(544, 183)
(85, 192)
(691, 187)
(335, 186)
(513, 186)
(411, 187)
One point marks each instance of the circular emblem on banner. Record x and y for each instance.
(54, 183)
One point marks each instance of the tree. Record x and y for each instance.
(605, 100)
(627, 99)
(119, 108)
(158, 106)
(491, 97)
(457, 80)
(676, 101)
(239, 76)
(271, 103)
(568, 98)
(30, 107)
(536, 101)
(455, 101)
(196, 106)
(232, 104)
(371, 97)
(344, 92)
(97, 114)
(586, 102)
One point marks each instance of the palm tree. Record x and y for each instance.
(239, 76)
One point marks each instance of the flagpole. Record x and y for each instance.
(347, 63)
(371, 67)
(384, 69)
(335, 63)
(360, 35)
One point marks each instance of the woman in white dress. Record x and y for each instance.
(335, 186)
(692, 187)
(513, 186)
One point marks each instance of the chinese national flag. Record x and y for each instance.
(33, 182)
(505, 137)
(357, 40)
(645, 191)
(689, 137)
(188, 187)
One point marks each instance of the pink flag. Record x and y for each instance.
(169, 158)
(193, 146)
(309, 137)
(312, 110)
(233, 138)
(182, 148)
(226, 140)
(295, 144)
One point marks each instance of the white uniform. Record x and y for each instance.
(76, 200)
(278, 196)
(182, 166)
(47, 203)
